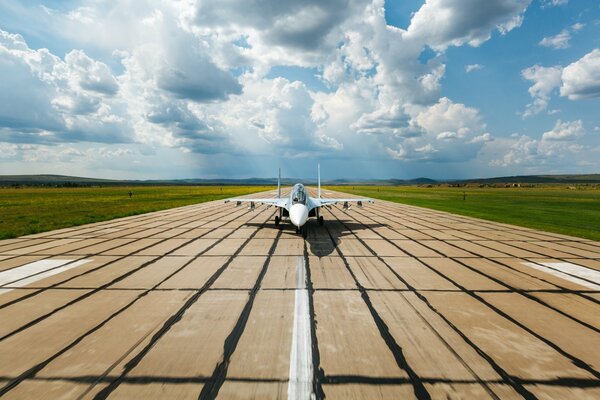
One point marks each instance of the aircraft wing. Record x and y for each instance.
(327, 202)
(277, 202)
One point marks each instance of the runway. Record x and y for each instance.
(385, 302)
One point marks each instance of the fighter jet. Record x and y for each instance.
(299, 206)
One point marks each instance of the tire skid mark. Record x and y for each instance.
(166, 326)
(34, 370)
(418, 387)
(576, 361)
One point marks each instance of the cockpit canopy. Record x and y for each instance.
(298, 194)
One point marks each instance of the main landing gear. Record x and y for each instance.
(321, 220)
(277, 220)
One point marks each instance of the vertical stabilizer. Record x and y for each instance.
(279, 184)
(319, 181)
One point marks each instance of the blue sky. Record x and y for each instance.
(150, 89)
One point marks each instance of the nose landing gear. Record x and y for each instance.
(302, 231)
(277, 220)
(321, 220)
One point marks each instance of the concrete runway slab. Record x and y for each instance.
(384, 302)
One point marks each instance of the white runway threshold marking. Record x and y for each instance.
(301, 371)
(583, 276)
(32, 272)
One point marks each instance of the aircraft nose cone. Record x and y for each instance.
(298, 214)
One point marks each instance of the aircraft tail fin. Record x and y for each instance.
(319, 181)
(279, 184)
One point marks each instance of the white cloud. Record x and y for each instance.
(486, 137)
(47, 99)
(553, 3)
(565, 131)
(446, 116)
(440, 23)
(558, 146)
(447, 132)
(581, 79)
(545, 80)
(560, 41)
(521, 150)
(473, 67)
(89, 74)
(447, 136)
(197, 81)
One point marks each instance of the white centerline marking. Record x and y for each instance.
(301, 370)
(32, 272)
(570, 272)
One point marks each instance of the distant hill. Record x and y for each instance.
(588, 178)
(66, 181)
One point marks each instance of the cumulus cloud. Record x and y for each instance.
(562, 142)
(192, 78)
(440, 23)
(486, 137)
(186, 71)
(48, 99)
(520, 150)
(90, 74)
(565, 131)
(286, 32)
(447, 132)
(581, 79)
(578, 80)
(448, 116)
(545, 80)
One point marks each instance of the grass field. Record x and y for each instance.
(33, 210)
(551, 208)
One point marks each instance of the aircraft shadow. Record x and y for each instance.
(321, 240)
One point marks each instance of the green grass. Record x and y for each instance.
(34, 210)
(549, 208)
